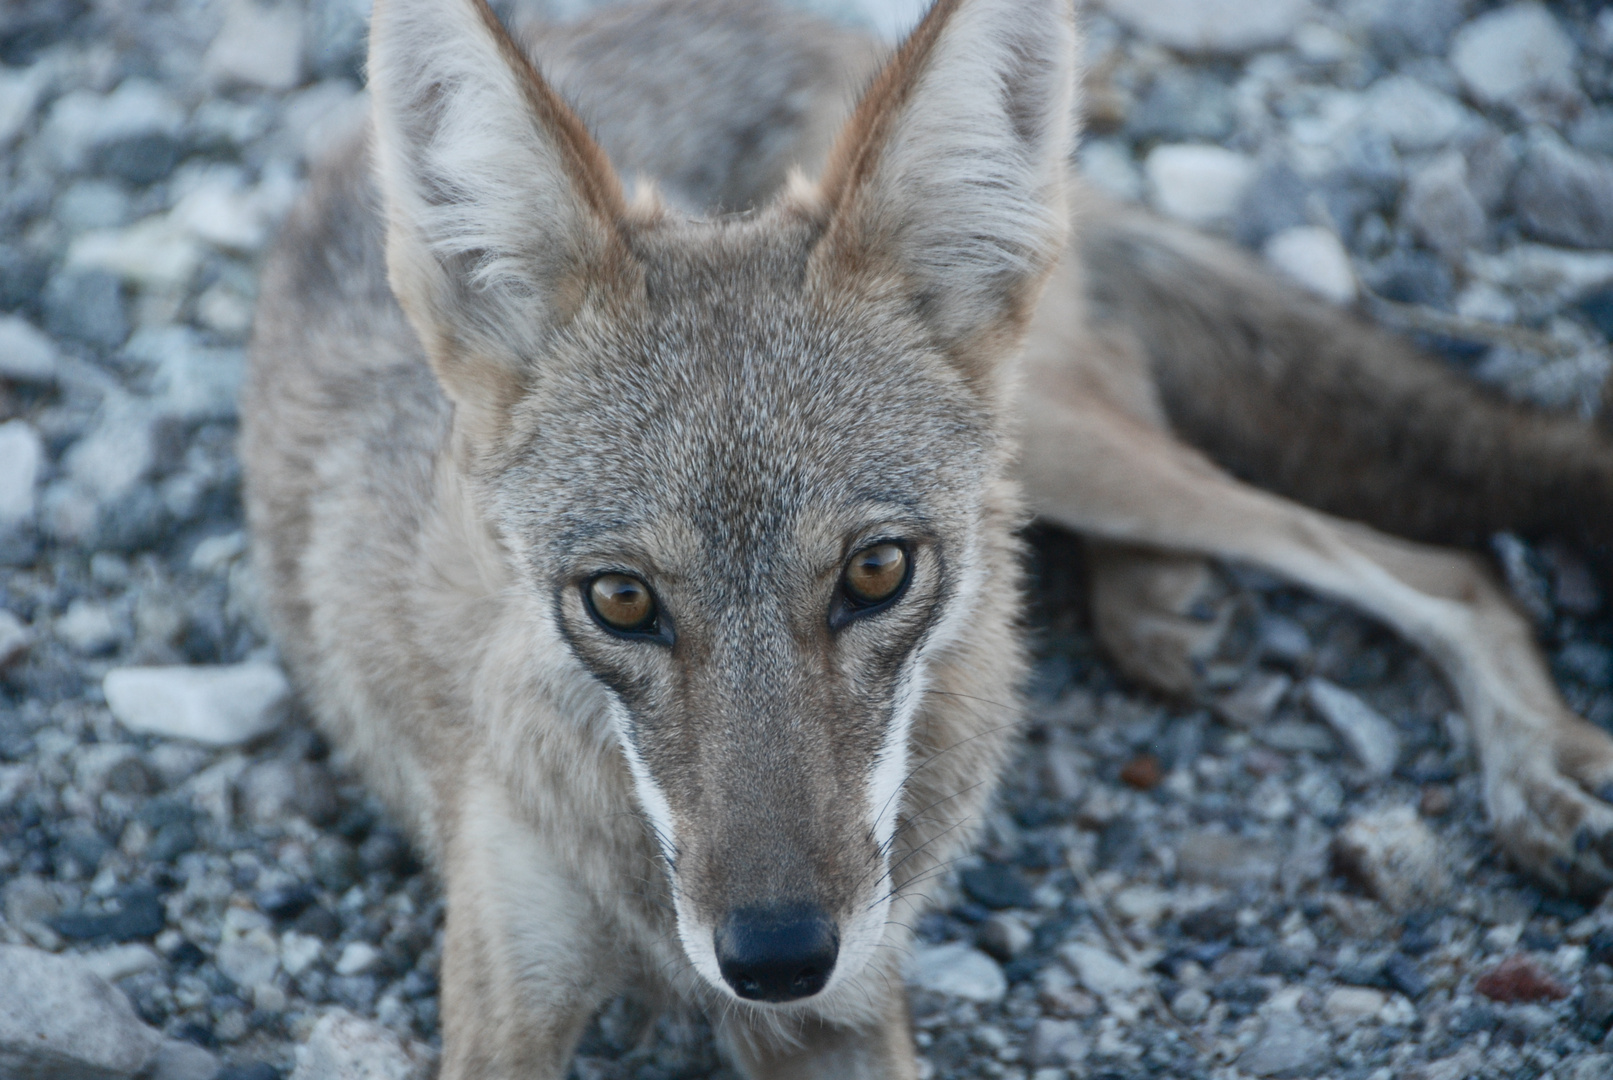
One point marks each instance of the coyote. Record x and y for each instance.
(654, 555)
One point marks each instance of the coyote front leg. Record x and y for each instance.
(526, 960)
(1092, 467)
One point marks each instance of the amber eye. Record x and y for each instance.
(875, 574)
(621, 603)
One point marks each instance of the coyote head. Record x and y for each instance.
(751, 468)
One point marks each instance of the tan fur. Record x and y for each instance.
(558, 382)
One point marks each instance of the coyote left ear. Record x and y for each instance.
(952, 170)
(502, 211)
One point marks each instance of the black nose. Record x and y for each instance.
(777, 954)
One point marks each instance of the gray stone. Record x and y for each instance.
(92, 204)
(259, 45)
(1440, 210)
(274, 790)
(179, 1060)
(345, 1047)
(123, 132)
(190, 381)
(60, 1021)
(1101, 972)
(26, 354)
(1056, 1042)
(22, 453)
(87, 305)
(1395, 857)
(338, 33)
(1251, 703)
(958, 970)
(15, 637)
(1190, 1005)
(1372, 740)
(1415, 116)
(1005, 936)
(1183, 105)
(1564, 196)
(1212, 26)
(1286, 1047)
(1206, 857)
(1518, 55)
(1400, 27)
(216, 706)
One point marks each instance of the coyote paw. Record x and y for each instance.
(1550, 798)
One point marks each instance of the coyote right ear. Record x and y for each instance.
(501, 209)
(952, 171)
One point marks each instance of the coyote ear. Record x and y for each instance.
(952, 169)
(501, 209)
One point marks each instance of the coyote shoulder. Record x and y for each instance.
(654, 553)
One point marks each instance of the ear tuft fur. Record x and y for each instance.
(954, 166)
(501, 209)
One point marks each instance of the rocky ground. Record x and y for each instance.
(1290, 877)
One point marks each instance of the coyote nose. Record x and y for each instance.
(777, 954)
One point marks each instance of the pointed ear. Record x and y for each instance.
(502, 212)
(952, 171)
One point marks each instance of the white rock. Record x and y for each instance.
(1555, 275)
(248, 951)
(121, 961)
(298, 952)
(15, 637)
(1212, 26)
(258, 45)
(1347, 1005)
(958, 970)
(87, 627)
(1509, 55)
(218, 706)
(1313, 257)
(1101, 972)
(156, 253)
(1372, 740)
(1199, 184)
(1414, 115)
(26, 353)
(218, 211)
(21, 455)
(358, 958)
(344, 1047)
(58, 1019)
(215, 554)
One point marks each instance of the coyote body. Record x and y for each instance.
(491, 397)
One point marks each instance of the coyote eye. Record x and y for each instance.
(875, 574)
(623, 605)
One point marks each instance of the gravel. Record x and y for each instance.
(1288, 874)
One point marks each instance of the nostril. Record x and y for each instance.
(777, 954)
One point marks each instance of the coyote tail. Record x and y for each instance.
(1301, 398)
